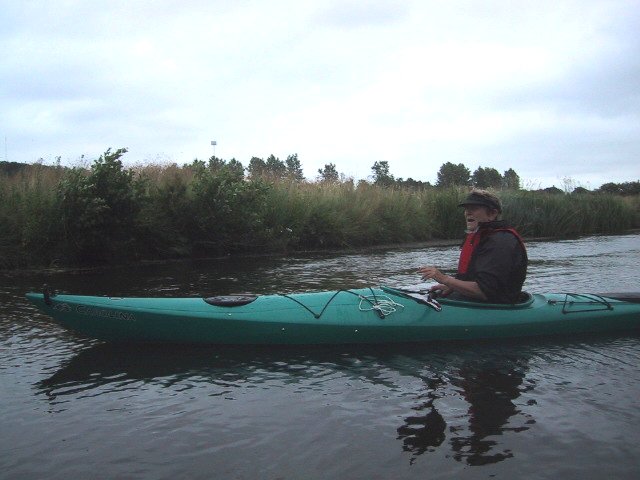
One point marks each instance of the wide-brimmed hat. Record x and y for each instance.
(475, 198)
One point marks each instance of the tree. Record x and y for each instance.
(329, 174)
(626, 188)
(12, 168)
(611, 187)
(276, 169)
(236, 167)
(233, 166)
(511, 180)
(215, 163)
(486, 178)
(294, 168)
(413, 184)
(381, 175)
(451, 175)
(631, 188)
(257, 168)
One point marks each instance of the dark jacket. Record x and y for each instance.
(498, 264)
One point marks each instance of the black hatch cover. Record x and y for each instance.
(230, 300)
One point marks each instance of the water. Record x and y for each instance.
(558, 407)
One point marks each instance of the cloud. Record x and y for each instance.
(351, 14)
(547, 88)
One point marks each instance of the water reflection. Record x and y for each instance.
(119, 366)
(424, 430)
(490, 393)
(447, 374)
(489, 390)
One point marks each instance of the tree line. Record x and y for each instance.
(452, 175)
(449, 175)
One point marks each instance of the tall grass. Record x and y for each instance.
(541, 214)
(107, 213)
(29, 216)
(633, 202)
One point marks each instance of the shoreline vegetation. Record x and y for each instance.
(53, 216)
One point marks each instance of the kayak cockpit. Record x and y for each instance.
(426, 296)
(525, 300)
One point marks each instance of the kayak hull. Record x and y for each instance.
(371, 315)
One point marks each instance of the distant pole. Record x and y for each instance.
(213, 144)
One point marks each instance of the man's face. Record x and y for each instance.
(474, 214)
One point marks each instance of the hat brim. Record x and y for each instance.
(481, 203)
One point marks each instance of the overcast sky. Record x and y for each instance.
(550, 88)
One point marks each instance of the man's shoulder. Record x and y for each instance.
(503, 237)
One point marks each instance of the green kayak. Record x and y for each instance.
(369, 315)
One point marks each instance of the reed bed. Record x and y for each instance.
(541, 214)
(107, 213)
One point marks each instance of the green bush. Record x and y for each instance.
(98, 210)
(226, 210)
(166, 218)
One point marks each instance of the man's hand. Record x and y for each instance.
(432, 273)
(440, 290)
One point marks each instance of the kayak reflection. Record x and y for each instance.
(468, 395)
(121, 366)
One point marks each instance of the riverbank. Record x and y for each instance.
(244, 256)
(111, 215)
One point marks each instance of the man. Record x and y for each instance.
(493, 259)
